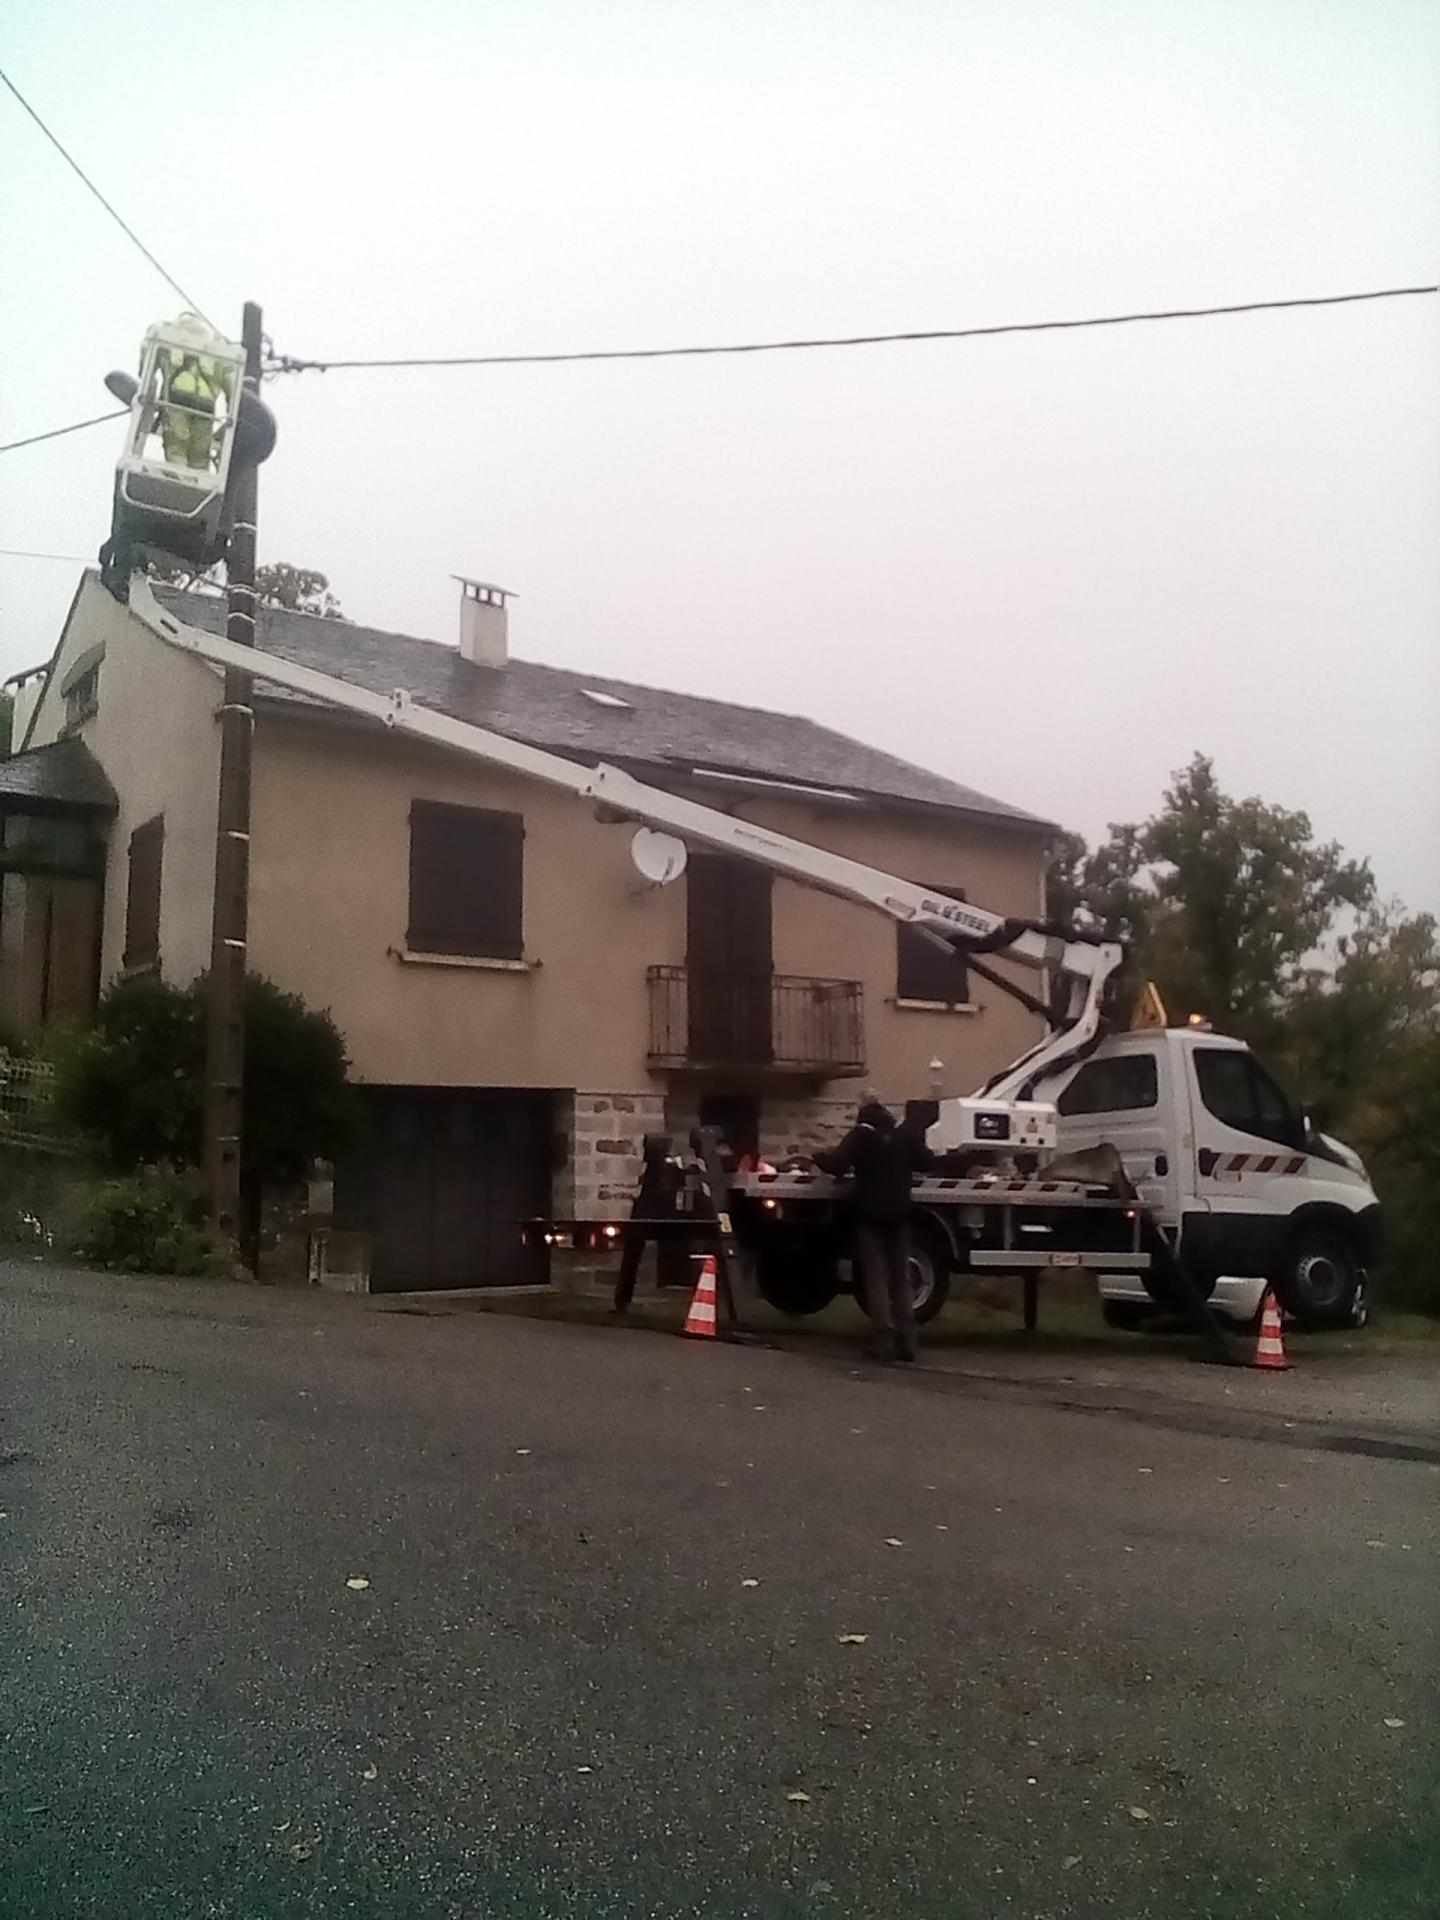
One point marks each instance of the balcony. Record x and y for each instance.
(776, 1022)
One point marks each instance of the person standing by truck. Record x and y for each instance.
(883, 1159)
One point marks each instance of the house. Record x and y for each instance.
(519, 1008)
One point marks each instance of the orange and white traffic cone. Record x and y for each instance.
(1270, 1347)
(700, 1321)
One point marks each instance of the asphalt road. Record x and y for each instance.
(1173, 1660)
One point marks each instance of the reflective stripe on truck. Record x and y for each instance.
(1216, 1165)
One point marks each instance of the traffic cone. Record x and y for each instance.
(700, 1321)
(1270, 1347)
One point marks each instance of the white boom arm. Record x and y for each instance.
(1088, 965)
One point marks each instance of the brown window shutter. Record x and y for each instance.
(142, 898)
(923, 971)
(467, 884)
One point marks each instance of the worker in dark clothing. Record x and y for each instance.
(661, 1179)
(883, 1158)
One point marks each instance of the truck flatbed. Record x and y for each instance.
(935, 1189)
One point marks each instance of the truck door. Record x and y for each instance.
(1126, 1099)
(1250, 1159)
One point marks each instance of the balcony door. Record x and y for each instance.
(730, 961)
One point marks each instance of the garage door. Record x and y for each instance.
(441, 1182)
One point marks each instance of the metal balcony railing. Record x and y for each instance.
(788, 1022)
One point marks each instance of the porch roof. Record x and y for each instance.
(63, 778)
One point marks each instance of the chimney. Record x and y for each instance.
(484, 622)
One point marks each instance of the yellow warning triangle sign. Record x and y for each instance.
(1149, 1009)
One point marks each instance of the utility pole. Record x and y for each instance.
(225, 1013)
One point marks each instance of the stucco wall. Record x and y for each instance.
(329, 905)
(155, 734)
(818, 934)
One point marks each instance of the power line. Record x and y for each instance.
(287, 363)
(55, 433)
(123, 224)
(21, 553)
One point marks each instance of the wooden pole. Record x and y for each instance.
(225, 1013)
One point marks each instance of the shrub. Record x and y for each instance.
(298, 1103)
(147, 1222)
(132, 1085)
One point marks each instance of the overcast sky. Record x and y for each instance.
(1049, 566)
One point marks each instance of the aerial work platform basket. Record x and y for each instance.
(171, 478)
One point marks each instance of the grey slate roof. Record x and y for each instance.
(546, 707)
(51, 779)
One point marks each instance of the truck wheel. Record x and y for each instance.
(929, 1279)
(1321, 1283)
(795, 1275)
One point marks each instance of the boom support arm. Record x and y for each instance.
(1087, 965)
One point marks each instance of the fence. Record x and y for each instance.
(27, 1105)
(789, 1022)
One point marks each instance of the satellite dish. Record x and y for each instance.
(659, 858)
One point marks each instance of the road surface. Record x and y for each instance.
(318, 1611)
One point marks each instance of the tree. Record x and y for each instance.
(1362, 1043)
(1223, 901)
(175, 573)
(280, 584)
(1100, 891)
(132, 1084)
(297, 590)
(1379, 1002)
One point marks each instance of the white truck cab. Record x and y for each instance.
(1248, 1194)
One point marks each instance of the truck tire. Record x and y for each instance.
(1321, 1284)
(796, 1273)
(929, 1278)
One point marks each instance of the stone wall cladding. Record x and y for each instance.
(790, 1127)
(790, 1124)
(604, 1136)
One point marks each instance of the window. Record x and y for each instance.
(924, 971)
(466, 881)
(1122, 1084)
(142, 897)
(80, 689)
(1239, 1092)
(83, 698)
